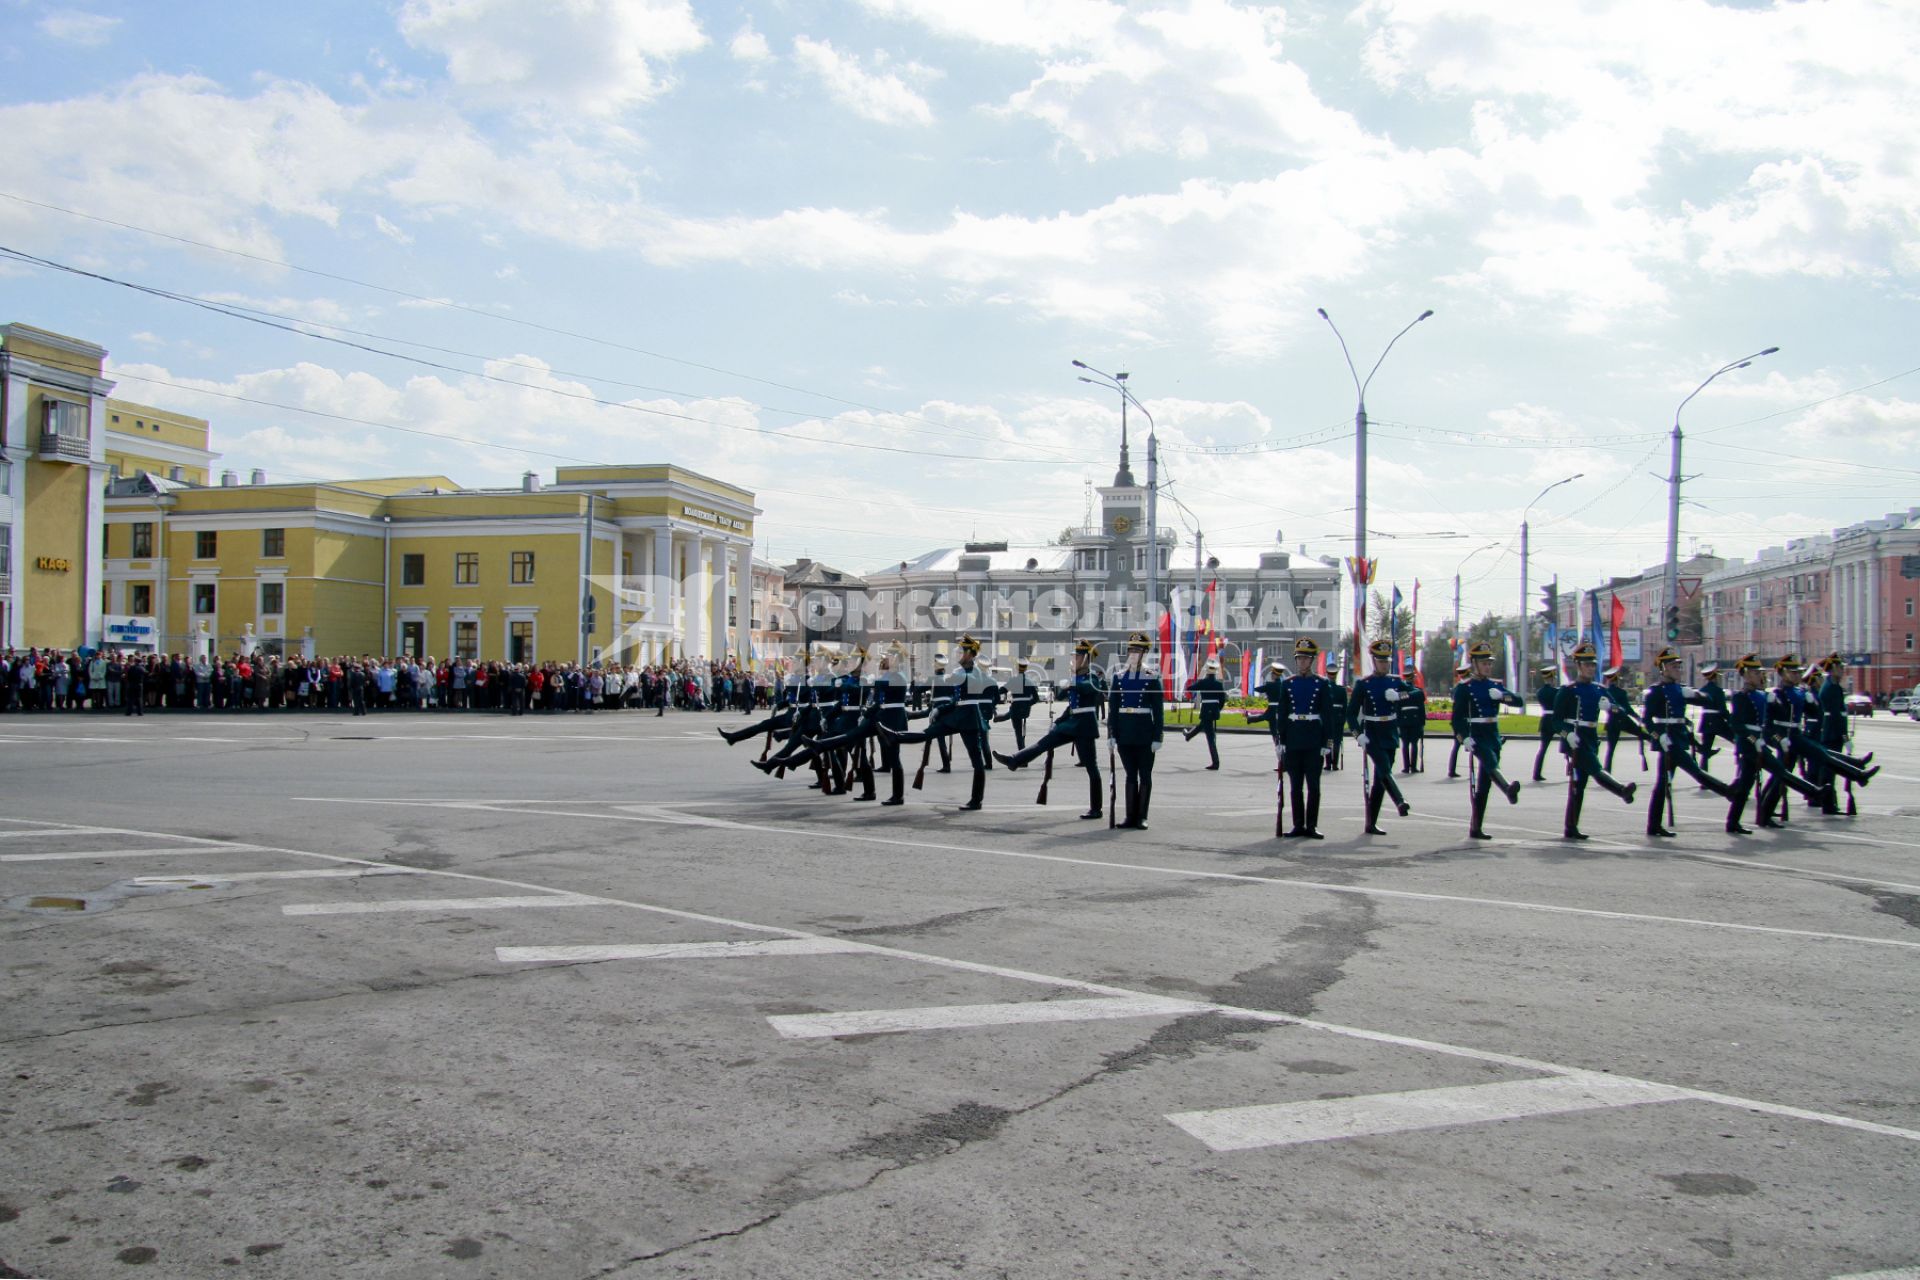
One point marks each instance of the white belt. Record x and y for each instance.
(1483, 719)
(976, 702)
(1380, 719)
(1669, 720)
(1585, 724)
(1082, 711)
(1137, 711)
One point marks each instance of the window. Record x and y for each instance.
(273, 597)
(519, 642)
(521, 570)
(6, 545)
(1909, 607)
(466, 640)
(413, 570)
(139, 599)
(273, 542)
(142, 540)
(1909, 642)
(203, 597)
(1092, 559)
(64, 425)
(413, 638)
(206, 544)
(466, 568)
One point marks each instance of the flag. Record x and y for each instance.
(1393, 624)
(1513, 665)
(1593, 602)
(1166, 653)
(1615, 653)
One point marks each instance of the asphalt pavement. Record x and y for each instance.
(581, 996)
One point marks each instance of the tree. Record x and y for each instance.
(1066, 536)
(1436, 664)
(1377, 623)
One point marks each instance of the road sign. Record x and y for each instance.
(1689, 588)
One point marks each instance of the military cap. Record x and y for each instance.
(1711, 669)
(1585, 652)
(1749, 662)
(1304, 647)
(1213, 664)
(1381, 649)
(1276, 665)
(939, 657)
(969, 645)
(1665, 656)
(1549, 670)
(1138, 642)
(1833, 662)
(1022, 662)
(1088, 647)
(1481, 649)
(1788, 662)
(1611, 672)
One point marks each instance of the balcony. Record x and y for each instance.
(64, 446)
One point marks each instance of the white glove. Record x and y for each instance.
(1497, 693)
(1393, 695)
(1666, 743)
(1686, 692)
(1156, 744)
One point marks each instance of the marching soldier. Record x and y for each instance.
(1309, 728)
(1413, 731)
(1794, 744)
(967, 706)
(1620, 718)
(1834, 727)
(785, 696)
(1274, 690)
(940, 698)
(1476, 726)
(1665, 707)
(1577, 712)
(1136, 720)
(1076, 725)
(1547, 696)
(1461, 674)
(1753, 713)
(1374, 718)
(1022, 692)
(1712, 698)
(883, 703)
(1337, 700)
(1209, 695)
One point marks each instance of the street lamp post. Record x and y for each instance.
(1526, 656)
(1457, 633)
(1360, 452)
(1672, 618)
(1118, 382)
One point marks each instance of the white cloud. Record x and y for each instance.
(1038, 26)
(880, 96)
(72, 26)
(320, 310)
(749, 45)
(594, 56)
(390, 231)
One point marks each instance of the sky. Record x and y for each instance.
(843, 254)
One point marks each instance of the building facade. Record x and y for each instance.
(618, 564)
(1034, 601)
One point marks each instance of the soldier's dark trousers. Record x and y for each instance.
(1137, 761)
(1712, 725)
(1540, 757)
(1206, 728)
(1019, 732)
(1453, 760)
(1613, 743)
(1410, 755)
(1587, 765)
(1303, 780)
(1773, 792)
(1746, 773)
(1383, 783)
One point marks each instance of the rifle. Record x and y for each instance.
(1366, 769)
(920, 774)
(1113, 781)
(1046, 779)
(1279, 789)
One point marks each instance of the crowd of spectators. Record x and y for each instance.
(133, 684)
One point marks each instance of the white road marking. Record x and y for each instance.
(437, 904)
(1093, 988)
(954, 1017)
(69, 831)
(304, 873)
(683, 950)
(1898, 1273)
(1291, 1123)
(840, 834)
(171, 851)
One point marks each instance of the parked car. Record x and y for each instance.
(1900, 704)
(1859, 704)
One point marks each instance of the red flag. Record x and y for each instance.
(1320, 663)
(1166, 655)
(1615, 655)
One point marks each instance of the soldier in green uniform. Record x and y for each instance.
(1274, 690)
(1476, 726)
(1461, 673)
(1209, 695)
(1620, 717)
(1022, 692)
(1373, 717)
(1577, 712)
(1136, 721)
(1336, 700)
(1546, 696)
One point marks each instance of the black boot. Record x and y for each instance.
(899, 788)
(979, 791)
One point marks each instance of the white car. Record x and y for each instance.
(1900, 704)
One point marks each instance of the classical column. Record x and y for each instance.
(660, 579)
(743, 600)
(696, 595)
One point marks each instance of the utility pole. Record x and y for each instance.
(1672, 611)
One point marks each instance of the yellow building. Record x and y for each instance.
(141, 437)
(418, 565)
(53, 416)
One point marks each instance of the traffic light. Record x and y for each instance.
(586, 613)
(1550, 602)
(1673, 623)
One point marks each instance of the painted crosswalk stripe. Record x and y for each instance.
(955, 1017)
(57, 831)
(304, 873)
(436, 904)
(1898, 1273)
(197, 851)
(682, 950)
(1327, 1120)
